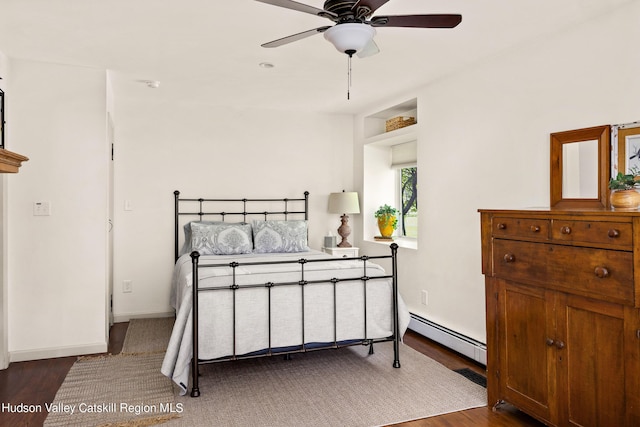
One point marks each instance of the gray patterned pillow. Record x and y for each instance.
(221, 238)
(280, 236)
(186, 247)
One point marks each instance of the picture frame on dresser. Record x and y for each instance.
(567, 149)
(1, 119)
(625, 146)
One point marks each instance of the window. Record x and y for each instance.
(409, 202)
(404, 161)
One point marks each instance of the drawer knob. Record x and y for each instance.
(509, 258)
(613, 233)
(502, 226)
(550, 342)
(601, 272)
(565, 230)
(535, 228)
(559, 345)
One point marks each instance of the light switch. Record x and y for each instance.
(127, 205)
(41, 208)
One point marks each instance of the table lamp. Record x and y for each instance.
(344, 203)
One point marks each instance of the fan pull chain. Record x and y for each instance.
(350, 53)
(348, 77)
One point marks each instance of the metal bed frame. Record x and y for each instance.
(303, 347)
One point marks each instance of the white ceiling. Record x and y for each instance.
(209, 51)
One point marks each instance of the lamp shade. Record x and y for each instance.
(350, 36)
(344, 203)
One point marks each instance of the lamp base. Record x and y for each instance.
(344, 231)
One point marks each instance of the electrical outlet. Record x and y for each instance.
(127, 286)
(424, 298)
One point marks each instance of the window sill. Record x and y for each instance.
(403, 242)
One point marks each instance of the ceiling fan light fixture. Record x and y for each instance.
(350, 36)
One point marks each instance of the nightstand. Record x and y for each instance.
(342, 252)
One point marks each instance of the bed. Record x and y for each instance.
(262, 291)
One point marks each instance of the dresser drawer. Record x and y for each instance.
(609, 233)
(532, 228)
(583, 271)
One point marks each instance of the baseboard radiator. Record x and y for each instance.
(459, 343)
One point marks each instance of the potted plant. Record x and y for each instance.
(387, 220)
(624, 195)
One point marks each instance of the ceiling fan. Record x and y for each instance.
(354, 30)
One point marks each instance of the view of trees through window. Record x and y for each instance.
(409, 196)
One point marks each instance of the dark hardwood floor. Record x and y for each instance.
(505, 415)
(36, 383)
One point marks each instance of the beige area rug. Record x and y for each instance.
(344, 387)
(147, 335)
(121, 390)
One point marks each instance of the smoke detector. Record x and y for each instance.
(153, 84)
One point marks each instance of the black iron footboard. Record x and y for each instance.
(303, 347)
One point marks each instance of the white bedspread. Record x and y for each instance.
(216, 326)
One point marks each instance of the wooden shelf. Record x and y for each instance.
(10, 162)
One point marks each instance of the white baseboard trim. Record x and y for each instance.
(4, 360)
(119, 318)
(459, 343)
(50, 353)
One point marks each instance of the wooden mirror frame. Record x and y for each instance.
(603, 135)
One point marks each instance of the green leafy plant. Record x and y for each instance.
(385, 212)
(625, 181)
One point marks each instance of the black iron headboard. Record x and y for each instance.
(206, 208)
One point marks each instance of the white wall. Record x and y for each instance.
(206, 151)
(57, 264)
(4, 295)
(484, 143)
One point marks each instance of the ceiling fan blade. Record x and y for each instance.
(372, 5)
(295, 37)
(417, 21)
(369, 50)
(300, 7)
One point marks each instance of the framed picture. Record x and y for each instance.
(1, 119)
(627, 146)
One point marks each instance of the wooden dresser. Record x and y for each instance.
(563, 314)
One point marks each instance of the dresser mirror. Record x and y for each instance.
(580, 168)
